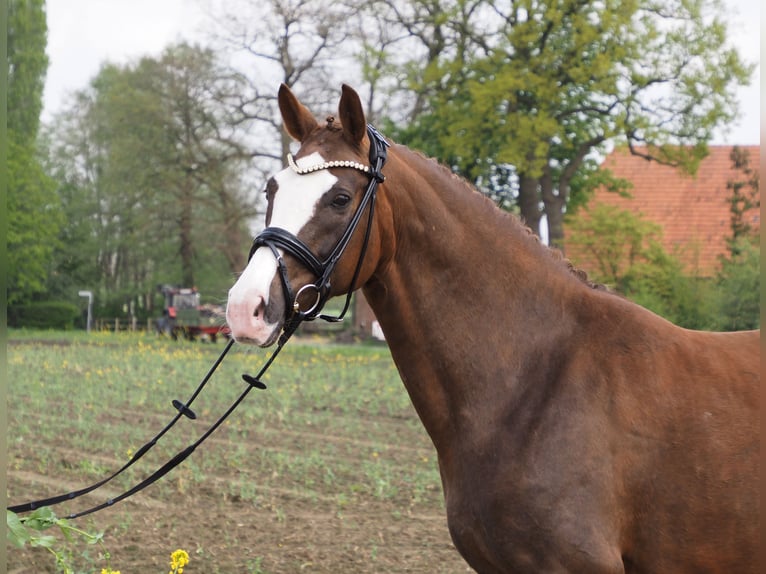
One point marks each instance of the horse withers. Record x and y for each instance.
(575, 430)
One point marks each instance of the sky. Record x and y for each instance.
(83, 34)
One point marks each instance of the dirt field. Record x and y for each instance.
(305, 481)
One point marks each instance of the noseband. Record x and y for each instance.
(276, 238)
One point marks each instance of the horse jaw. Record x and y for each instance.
(251, 314)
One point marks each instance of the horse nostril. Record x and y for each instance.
(260, 309)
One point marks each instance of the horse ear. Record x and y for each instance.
(299, 122)
(352, 116)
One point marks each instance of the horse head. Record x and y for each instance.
(320, 240)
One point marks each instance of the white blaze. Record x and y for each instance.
(293, 206)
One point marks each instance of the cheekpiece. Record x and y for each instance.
(325, 165)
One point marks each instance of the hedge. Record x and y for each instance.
(43, 315)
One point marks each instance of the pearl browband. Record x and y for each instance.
(325, 165)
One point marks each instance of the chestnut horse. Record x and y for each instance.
(575, 430)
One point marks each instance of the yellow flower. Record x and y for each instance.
(178, 560)
(109, 571)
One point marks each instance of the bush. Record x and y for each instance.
(628, 255)
(43, 315)
(739, 288)
(660, 284)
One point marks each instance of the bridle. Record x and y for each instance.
(274, 238)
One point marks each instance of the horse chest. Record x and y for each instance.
(495, 535)
(533, 511)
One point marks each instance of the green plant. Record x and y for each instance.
(43, 315)
(660, 283)
(28, 530)
(178, 561)
(738, 287)
(624, 251)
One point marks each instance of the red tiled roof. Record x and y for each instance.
(692, 210)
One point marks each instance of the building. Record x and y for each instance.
(693, 210)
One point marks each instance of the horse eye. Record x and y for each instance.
(341, 200)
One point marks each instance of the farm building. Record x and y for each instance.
(692, 210)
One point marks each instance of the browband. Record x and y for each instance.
(326, 165)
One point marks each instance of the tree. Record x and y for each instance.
(302, 43)
(150, 164)
(739, 287)
(745, 198)
(739, 278)
(206, 151)
(526, 93)
(612, 241)
(27, 66)
(33, 210)
(33, 222)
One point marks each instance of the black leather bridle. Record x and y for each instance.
(276, 238)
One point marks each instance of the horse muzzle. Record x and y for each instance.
(254, 311)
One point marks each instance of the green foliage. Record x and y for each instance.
(34, 218)
(27, 530)
(150, 172)
(739, 280)
(625, 252)
(612, 241)
(27, 66)
(43, 315)
(738, 287)
(23, 531)
(587, 180)
(536, 89)
(33, 208)
(660, 284)
(744, 199)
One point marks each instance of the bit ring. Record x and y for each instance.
(296, 304)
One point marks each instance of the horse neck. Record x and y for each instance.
(465, 298)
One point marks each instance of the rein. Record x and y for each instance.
(273, 238)
(183, 409)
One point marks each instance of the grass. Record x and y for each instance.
(334, 431)
(109, 393)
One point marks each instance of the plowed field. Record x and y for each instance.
(328, 470)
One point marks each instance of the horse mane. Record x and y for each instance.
(512, 219)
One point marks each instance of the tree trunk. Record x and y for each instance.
(529, 202)
(233, 240)
(555, 218)
(554, 202)
(185, 236)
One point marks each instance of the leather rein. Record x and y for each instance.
(275, 239)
